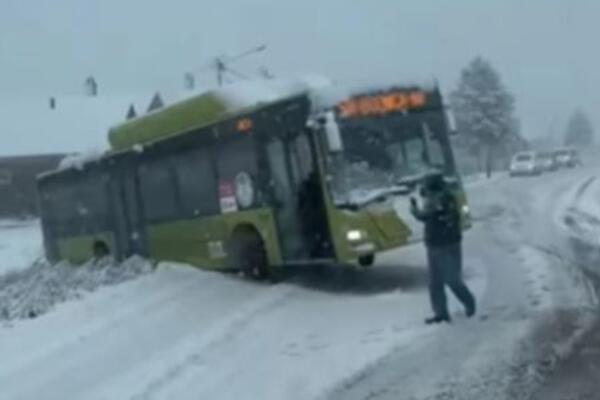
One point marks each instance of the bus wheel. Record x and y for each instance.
(367, 260)
(248, 253)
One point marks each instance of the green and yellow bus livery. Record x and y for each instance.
(279, 184)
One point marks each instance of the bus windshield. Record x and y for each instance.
(388, 154)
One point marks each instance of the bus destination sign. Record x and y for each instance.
(381, 104)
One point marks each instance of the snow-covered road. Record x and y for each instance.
(529, 293)
(181, 333)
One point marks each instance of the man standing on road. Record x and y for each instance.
(443, 236)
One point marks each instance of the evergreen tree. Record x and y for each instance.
(580, 132)
(484, 112)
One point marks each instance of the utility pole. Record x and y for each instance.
(221, 68)
(189, 81)
(265, 73)
(221, 64)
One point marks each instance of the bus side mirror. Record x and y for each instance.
(332, 131)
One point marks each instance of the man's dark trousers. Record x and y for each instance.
(445, 269)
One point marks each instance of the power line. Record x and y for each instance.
(221, 64)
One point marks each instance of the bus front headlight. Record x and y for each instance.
(355, 235)
(466, 210)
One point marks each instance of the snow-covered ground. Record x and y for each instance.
(20, 244)
(180, 333)
(33, 291)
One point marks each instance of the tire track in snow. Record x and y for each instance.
(584, 187)
(163, 295)
(517, 378)
(191, 353)
(158, 332)
(579, 220)
(484, 360)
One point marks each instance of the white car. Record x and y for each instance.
(567, 158)
(525, 163)
(546, 162)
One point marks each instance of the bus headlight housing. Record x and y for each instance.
(466, 210)
(355, 235)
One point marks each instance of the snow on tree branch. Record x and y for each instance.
(484, 111)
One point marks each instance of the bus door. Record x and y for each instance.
(297, 197)
(284, 199)
(131, 232)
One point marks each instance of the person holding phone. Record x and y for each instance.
(443, 237)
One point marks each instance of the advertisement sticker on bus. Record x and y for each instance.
(227, 198)
(244, 190)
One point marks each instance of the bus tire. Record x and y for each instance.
(248, 254)
(367, 260)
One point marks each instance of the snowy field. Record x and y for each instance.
(181, 333)
(20, 244)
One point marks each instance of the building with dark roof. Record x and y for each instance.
(18, 198)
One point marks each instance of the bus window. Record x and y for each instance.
(434, 149)
(279, 177)
(79, 207)
(302, 156)
(238, 155)
(436, 153)
(237, 161)
(295, 164)
(418, 155)
(58, 204)
(413, 156)
(158, 191)
(197, 183)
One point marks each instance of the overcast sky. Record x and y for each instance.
(545, 50)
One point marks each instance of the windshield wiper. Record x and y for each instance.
(378, 196)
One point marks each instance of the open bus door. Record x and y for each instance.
(297, 197)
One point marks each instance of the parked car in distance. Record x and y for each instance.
(567, 158)
(524, 163)
(546, 162)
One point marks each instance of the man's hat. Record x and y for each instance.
(434, 182)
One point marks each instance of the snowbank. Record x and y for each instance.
(35, 290)
(579, 213)
(20, 244)
(589, 197)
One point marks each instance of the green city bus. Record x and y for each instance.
(303, 179)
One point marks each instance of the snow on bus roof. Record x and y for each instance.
(328, 97)
(251, 93)
(79, 124)
(79, 160)
(324, 92)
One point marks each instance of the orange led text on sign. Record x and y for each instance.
(381, 105)
(244, 125)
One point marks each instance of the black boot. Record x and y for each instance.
(438, 319)
(471, 309)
